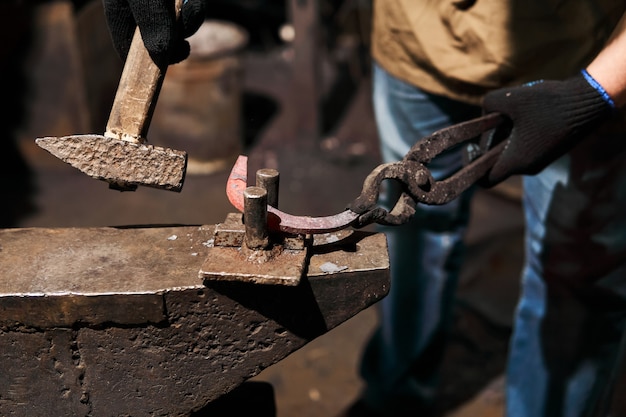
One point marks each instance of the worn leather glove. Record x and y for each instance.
(547, 119)
(163, 37)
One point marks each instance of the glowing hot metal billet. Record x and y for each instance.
(278, 220)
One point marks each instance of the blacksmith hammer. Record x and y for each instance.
(121, 157)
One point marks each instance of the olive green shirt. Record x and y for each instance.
(444, 49)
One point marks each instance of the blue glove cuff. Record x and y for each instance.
(596, 85)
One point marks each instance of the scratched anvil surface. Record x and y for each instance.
(116, 321)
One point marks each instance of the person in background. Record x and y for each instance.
(437, 63)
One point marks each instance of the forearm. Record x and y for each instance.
(609, 67)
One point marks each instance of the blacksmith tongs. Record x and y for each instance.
(418, 185)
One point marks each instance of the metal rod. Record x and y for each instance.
(269, 179)
(255, 217)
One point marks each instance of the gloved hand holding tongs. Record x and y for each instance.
(547, 119)
(524, 129)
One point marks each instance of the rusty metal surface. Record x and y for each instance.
(278, 220)
(255, 218)
(78, 275)
(271, 267)
(416, 180)
(231, 232)
(116, 351)
(281, 262)
(269, 180)
(114, 160)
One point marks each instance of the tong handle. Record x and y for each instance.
(440, 141)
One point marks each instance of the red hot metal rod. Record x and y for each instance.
(278, 220)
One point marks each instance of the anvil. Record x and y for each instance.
(116, 321)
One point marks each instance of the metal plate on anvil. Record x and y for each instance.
(239, 264)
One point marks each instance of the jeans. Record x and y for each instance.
(571, 311)
(401, 360)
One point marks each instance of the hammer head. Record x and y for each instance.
(124, 165)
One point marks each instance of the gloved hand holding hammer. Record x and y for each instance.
(148, 35)
(163, 36)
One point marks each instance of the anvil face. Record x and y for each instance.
(116, 321)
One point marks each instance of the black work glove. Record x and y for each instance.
(547, 119)
(163, 37)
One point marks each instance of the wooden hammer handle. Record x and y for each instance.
(137, 92)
